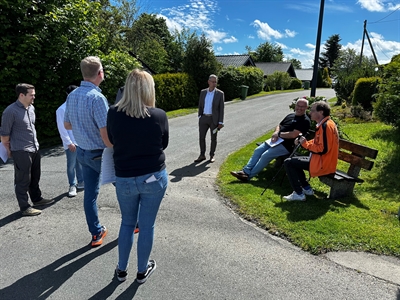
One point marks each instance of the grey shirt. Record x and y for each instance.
(18, 123)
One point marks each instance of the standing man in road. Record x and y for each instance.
(211, 116)
(86, 114)
(18, 135)
(74, 168)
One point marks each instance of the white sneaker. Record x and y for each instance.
(308, 192)
(80, 186)
(295, 197)
(72, 191)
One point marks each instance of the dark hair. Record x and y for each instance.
(70, 88)
(22, 88)
(324, 107)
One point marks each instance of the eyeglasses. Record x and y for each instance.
(301, 106)
(101, 70)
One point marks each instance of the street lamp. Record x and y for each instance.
(317, 46)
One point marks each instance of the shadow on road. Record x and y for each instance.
(44, 282)
(17, 215)
(189, 171)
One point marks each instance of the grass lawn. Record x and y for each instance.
(367, 221)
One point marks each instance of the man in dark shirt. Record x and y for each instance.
(18, 135)
(281, 142)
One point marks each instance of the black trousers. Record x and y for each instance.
(295, 167)
(26, 177)
(205, 123)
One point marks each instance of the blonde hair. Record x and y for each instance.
(139, 93)
(90, 67)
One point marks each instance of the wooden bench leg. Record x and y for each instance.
(341, 189)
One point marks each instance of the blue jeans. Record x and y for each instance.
(138, 200)
(262, 156)
(90, 161)
(73, 168)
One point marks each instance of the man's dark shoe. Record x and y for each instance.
(43, 201)
(121, 275)
(30, 211)
(142, 277)
(97, 240)
(240, 175)
(212, 159)
(200, 159)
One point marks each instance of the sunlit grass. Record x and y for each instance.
(366, 221)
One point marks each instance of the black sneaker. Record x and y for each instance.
(121, 275)
(142, 277)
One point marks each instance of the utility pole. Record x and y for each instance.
(369, 42)
(317, 47)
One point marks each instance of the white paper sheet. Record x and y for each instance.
(3, 153)
(107, 167)
(277, 142)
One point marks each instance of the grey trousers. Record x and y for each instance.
(205, 123)
(26, 177)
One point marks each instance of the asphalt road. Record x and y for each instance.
(203, 249)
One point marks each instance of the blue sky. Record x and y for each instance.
(292, 24)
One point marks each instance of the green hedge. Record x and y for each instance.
(175, 91)
(231, 78)
(364, 92)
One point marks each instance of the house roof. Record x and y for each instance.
(304, 74)
(235, 60)
(270, 67)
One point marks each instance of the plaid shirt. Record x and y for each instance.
(18, 123)
(86, 110)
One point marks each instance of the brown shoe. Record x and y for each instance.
(212, 159)
(200, 159)
(240, 175)
(30, 211)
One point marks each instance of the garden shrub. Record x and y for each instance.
(364, 92)
(295, 84)
(277, 81)
(175, 91)
(387, 107)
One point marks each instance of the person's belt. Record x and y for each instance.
(96, 150)
(207, 115)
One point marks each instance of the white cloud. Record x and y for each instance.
(219, 49)
(283, 46)
(372, 5)
(265, 32)
(378, 5)
(171, 24)
(290, 33)
(231, 39)
(310, 46)
(384, 50)
(251, 37)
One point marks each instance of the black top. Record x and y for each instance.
(292, 122)
(138, 143)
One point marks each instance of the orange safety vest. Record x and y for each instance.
(324, 148)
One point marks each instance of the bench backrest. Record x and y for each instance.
(358, 156)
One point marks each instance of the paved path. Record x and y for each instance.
(203, 250)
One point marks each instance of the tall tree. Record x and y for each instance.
(266, 52)
(200, 61)
(332, 49)
(42, 43)
(150, 39)
(295, 62)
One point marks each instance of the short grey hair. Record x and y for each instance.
(302, 99)
(213, 76)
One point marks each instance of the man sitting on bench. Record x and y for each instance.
(287, 130)
(324, 149)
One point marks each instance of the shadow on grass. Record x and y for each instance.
(387, 179)
(313, 208)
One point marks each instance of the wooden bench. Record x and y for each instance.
(358, 157)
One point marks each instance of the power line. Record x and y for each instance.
(386, 16)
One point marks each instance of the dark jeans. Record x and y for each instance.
(205, 123)
(26, 177)
(295, 167)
